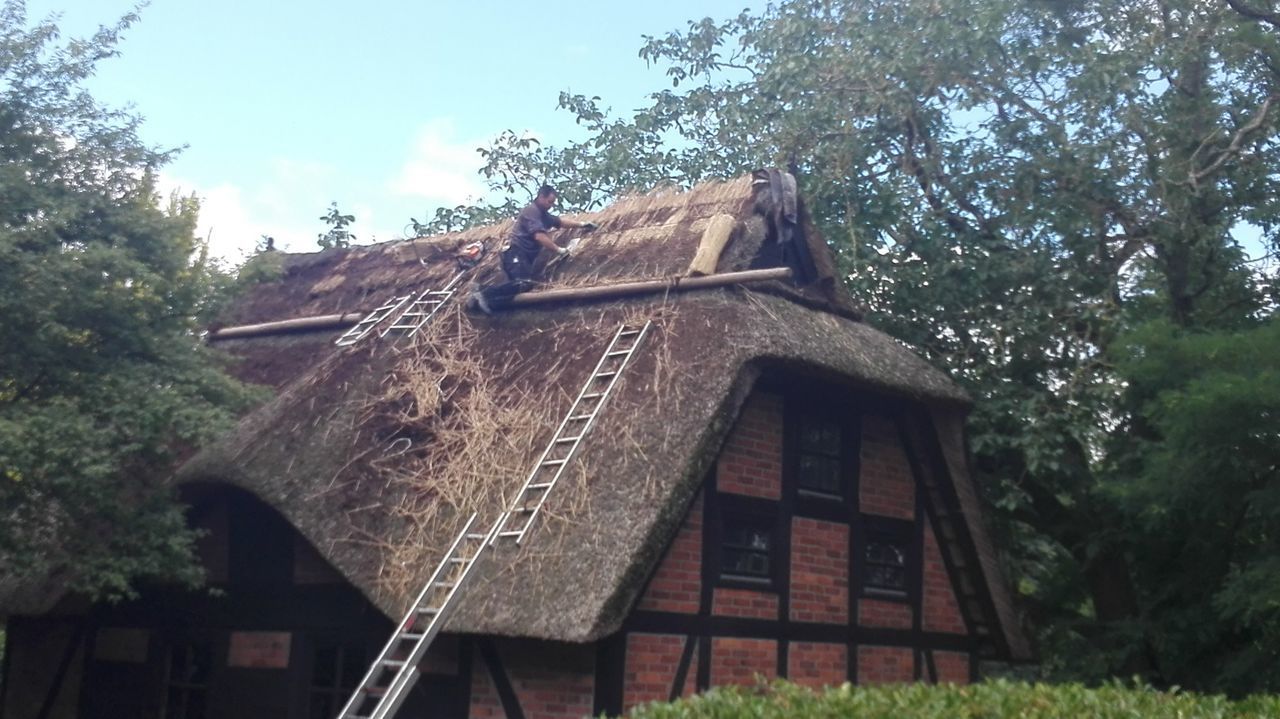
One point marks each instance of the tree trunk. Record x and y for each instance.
(1115, 600)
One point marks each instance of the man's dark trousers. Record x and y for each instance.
(518, 264)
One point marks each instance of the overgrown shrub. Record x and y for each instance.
(989, 700)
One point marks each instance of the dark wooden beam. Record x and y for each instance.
(60, 675)
(653, 622)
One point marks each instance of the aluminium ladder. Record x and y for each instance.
(371, 320)
(422, 309)
(417, 312)
(387, 683)
(515, 522)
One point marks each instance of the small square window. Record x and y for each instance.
(886, 566)
(820, 474)
(188, 680)
(746, 548)
(885, 557)
(818, 446)
(336, 669)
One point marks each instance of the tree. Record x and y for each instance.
(1012, 187)
(104, 381)
(1202, 484)
(449, 219)
(337, 235)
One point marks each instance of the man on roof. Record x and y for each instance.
(528, 236)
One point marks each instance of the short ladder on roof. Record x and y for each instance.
(387, 683)
(371, 320)
(422, 309)
(568, 437)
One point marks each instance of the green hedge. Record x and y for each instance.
(998, 699)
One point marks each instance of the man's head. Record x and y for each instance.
(546, 197)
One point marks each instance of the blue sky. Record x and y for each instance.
(286, 105)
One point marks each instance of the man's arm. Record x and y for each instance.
(560, 222)
(545, 240)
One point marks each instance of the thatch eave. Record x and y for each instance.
(265, 454)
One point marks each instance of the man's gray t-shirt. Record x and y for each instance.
(531, 220)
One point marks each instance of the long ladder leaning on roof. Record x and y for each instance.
(418, 311)
(515, 523)
(387, 683)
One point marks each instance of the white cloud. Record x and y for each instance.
(227, 222)
(441, 168)
(286, 199)
(224, 219)
(285, 204)
(234, 219)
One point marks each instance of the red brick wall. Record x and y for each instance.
(941, 610)
(885, 485)
(676, 585)
(819, 571)
(738, 661)
(550, 681)
(751, 464)
(815, 664)
(878, 613)
(651, 663)
(751, 461)
(884, 665)
(744, 603)
(953, 667)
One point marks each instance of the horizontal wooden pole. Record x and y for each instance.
(319, 322)
(674, 284)
(622, 289)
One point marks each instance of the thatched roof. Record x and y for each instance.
(375, 452)
(645, 237)
(642, 462)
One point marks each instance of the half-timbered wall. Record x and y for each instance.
(818, 482)
(281, 635)
(514, 679)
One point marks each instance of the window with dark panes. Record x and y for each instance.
(336, 669)
(885, 558)
(818, 449)
(886, 566)
(746, 548)
(187, 682)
